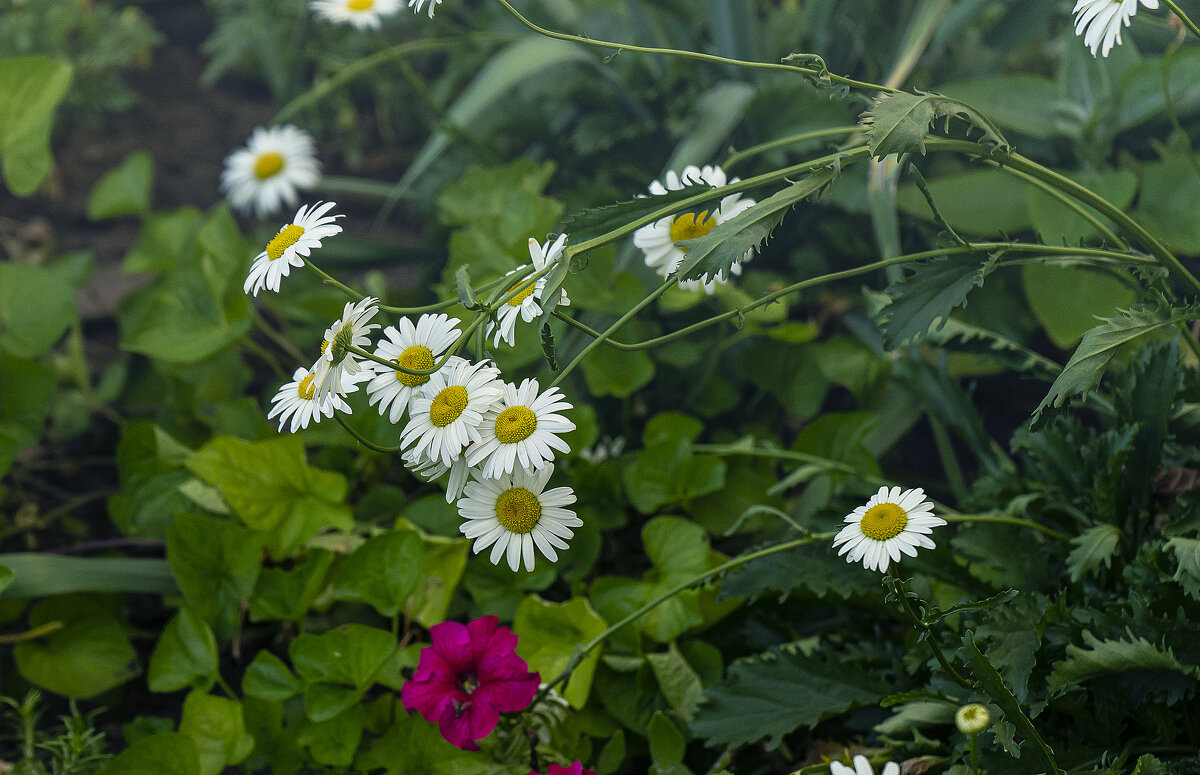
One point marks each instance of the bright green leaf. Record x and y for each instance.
(899, 122)
(335, 741)
(88, 654)
(383, 572)
(549, 635)
(217, 727)
(165, 753)
(36, 307)
(1093, 547)
(679, 682)
(269, 678)
(216, 563)
(124, 190)
(350, 654)
(33, 87)
(186, 655)
(1067, 299)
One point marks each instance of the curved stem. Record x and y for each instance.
(1003, 520)
(37, 632)
(1183, 17)
(811, 72)
(902, 592)
(363, 440)
(735, 155)
(330, 280)
(1079, 209)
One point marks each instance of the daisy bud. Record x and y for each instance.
(972, 719)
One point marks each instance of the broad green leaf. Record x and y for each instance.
(1093, 547)
(1058, 224)
(679, 682)
(1083, 372)
(6, 577)
(165, 239)
(124, 190)
(666, 472)
(925, 298)
(150, 464)
(1025, 103)
(217, 727)
(617, 373)
(1148, 764)
(442, 564)
(383, 572)
(899, 122)
(334, 742)
(350, 655)
(26, 391)
(549, 635)
(1103, 657)
(1162, 204)
(33, 87)
(186, 655)
(413, 746)
(788, 372)
(1139, 92)
(985, 202)
(36, 307)
(1067, 299)
(36, 574)
(88, 654)
(772, 695)
(288, 595)
(613, 753)
(165, 753)
(216, 562)
(728, 242)
(269, 678)
(667, 745)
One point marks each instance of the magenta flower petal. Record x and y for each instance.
(508, 695)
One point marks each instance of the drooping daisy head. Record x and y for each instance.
(657, 240)
(363, 14)
(521, 429)
(890, 523)
(413, 347)
(337, 364)
(417, 5)
(514, 513)
(264, 175)
(1100, 21)
(527, 302)
(445, 415)
(289, 247)
(297, 401)
(862, 767)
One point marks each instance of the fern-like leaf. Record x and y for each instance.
(900, 122)
(1105, 657)
(927, 296)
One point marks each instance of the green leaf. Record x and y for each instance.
(728, 242)
(216, 563)
(1094, 547)
(124, 190)
(667, 745)
(825, 574)
(166, 239)
(789, 372)
(1083, 372)
(1187, 554)
(26, 390)
(217, 727)
(900, 122)
(719, 110)
(186, 655)
(287, 595)
(165, 753)
(348, 655)
(1029, 104)
(550, 633)
(39, 575)
(613, 753)
(442, 564)
(666, 472)
(90, 653)
(462, 281)
(771, 695)
(986, 202)
(598, 221)
(412, 746)
(33, 87)
(1162, 203)
(1103, 657)
(334, 742)
(6, 578)
(1067, 299)
(678, 680)
(383, 572)
(150, 464)
(1058, 224)
(924, 299)
(617, 373)
(36, 307)
(269, 678)
(1148, 764)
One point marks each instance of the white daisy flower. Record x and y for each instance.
(297, 400)
(337, 365)
(264, 175)
(413, 347)
(862, 767)
(444, 416)
(1100, 21)
(429, 470)
(288, 248)
(521, 428)
(657, 240)
(363, 14)
(891, 522)
(513, 515)
(416, 5)
(527, 304)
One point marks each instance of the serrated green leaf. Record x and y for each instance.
(1093, 547)
(728, 242)
(899, 122)
(925, 298)
(186, 655)
(597, 221)
(999, 598)
(1103, 657)
(33, 87)
(1187, 554)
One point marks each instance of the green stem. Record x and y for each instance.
(1082, 211)
(279, 339)
(735, 156)
(741, 559)
(329, 280)
(1183, 17)
(945, 449)
(1004, 520)
(811, 72)
(902, 592)
(361, 439)
(365, 187)
(972, 746)
(224, 686)
(32, 634)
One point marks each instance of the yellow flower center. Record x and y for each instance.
(516, 423)
(286, 237)
(306, 388)
(884, 521)
(360, 5)
(691, 226)
(515, 301)
(448, 405)
(518, 510)
(414, 358)
(268, 164)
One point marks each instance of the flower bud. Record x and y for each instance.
(972, 719)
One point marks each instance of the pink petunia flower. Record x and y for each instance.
(467, 677)
(575, 768)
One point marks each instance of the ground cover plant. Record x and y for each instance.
(567, 386)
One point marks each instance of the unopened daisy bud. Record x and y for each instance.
(972, 719)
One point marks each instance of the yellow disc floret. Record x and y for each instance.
(518, 510)
(448, 405)
(884, 521)
(286, 237)
(268, 164)
(414, 358)
(691, 226)
(516, 423)
(360, 5)
(306, 388)
(515, 301)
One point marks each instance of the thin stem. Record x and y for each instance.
(816, 134)
(364, 187)
(224, 686)
(277, 338)
(329, 280)
(1082, 211)
(1005, 520)
(32, 634)
(361, 439)
(902, 592)
(811, 72)
(945, 449)
(972, 746)
(1183, 17)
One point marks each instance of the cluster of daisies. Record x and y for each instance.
(496, 440)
